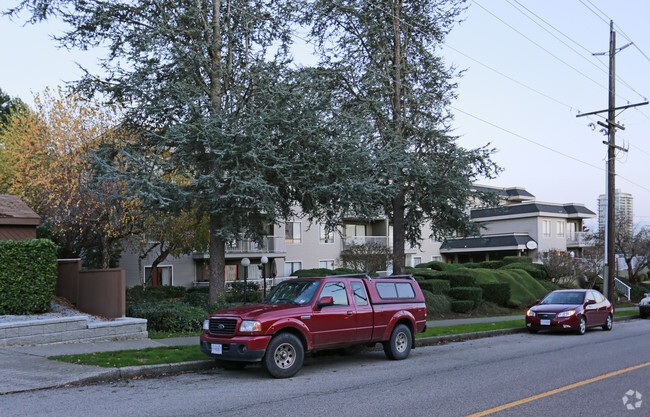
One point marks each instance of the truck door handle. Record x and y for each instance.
(350, 313)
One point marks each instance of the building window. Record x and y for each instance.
(292, 232)
(546, 228)
(326, 237)
(291, 267)
(560, 228)
(436, 258)
(161, 276)
(417, 260)
(326, 264)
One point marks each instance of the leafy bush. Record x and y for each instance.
(524, 289)
(436, 303)
(492, 264)
(462, 306)
(549, 285)
(474, 294)
(517, 260)
(471, 265)
(236, 293)
(458, 278)
(168, 316)
(496, 292)
(435, 286)
(27, 276)
(437, 266)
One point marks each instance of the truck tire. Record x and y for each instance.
(284, 356)
(399, 345)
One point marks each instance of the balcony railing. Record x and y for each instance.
(269, 244)
(380, 240)
(579, 239)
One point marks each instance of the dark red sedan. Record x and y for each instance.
(573, 310)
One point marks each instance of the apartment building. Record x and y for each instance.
(623, 207)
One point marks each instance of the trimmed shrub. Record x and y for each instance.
(422, 274)
(458, 278)
(236, 294)
(28, 276)
(471, 265)
(461, 306)
(162, 292)
(436, 303)
(437, 266)
(168, 316)
(517, 260)
(549, 285)
(496, 292)
(536, 271)
(492, 264)
(435, 286)
(474, 294)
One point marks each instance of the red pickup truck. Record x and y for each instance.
(308, 314)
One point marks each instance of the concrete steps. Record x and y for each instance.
(76, 329)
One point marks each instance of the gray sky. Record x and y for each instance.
(521, 91)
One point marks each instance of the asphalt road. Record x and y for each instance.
(518, 375)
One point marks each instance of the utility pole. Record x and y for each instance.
(611, 126)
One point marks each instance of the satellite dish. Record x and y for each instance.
(531, 244)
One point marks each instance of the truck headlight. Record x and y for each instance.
(567, 313)
(250, 326)
(530, 313)
(206, 324)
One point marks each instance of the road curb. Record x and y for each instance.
(131, 372)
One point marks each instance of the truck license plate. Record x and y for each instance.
(542, 322)
(216, 349)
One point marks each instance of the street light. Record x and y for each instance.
(264, 260)
(245, 262)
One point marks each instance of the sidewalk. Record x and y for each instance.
(27, 368)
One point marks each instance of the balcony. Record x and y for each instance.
(269, 244)
(348, 241)
(580, 240)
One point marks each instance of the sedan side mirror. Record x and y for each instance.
(591, 302)
(325, 302)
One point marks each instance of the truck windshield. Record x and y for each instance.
(293, 292)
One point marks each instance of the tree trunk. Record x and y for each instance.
(399, 235)
(217, 260)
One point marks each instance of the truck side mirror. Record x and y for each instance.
(325, 302)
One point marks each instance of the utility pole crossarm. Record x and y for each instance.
(615, 109)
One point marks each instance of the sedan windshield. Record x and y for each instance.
(293, 292)
(564, 298)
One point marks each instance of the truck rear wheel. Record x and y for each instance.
(284, 356)
(399, 345)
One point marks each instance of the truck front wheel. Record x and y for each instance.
(284, 356)
(399, 345)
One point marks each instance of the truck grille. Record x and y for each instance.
(546, 316)
(223, 326)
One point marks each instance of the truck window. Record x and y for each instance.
(336, 290)
(360, 296)
(389, 290)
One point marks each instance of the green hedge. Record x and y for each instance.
(517, 260)
(162, 292)
(168, 316)
(492, 264)
(27, 276)
(462, 306)
(536, 271)
(474, 294)
(322, 272)
(524, 288)
(437, 266)
(435, 286)
(436, 303)
(496, 292)
(422, 273)
(458, 278)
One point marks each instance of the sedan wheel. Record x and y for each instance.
(582, 327)
(609, 323)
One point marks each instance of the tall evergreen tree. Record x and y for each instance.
(394, 81)
(227, 128)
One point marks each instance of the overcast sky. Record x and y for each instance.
(529, 72)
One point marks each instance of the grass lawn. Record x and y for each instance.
(470, 328)
(148, 356)
(166, 335)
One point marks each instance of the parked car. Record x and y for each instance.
(644, 306)
(571, 310)
(309, 314)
